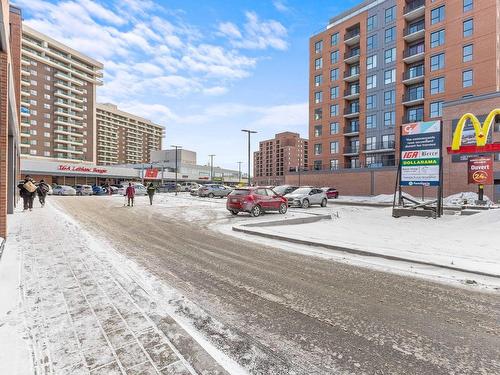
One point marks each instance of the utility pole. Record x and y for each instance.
(249, 132)
(176, 167)
(239, 171)
(211, 167)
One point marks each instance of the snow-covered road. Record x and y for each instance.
(277, 312)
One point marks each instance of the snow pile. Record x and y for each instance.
(478, 222)
(389, 198)
(464, 198)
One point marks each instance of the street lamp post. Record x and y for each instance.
(176, 168)
(211, 167)
(249, 132)
(239, 171)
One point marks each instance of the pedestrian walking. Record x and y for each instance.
(130, 193)
(151, 192)
(27, 190)
(42, 191)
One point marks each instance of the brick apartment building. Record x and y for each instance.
(278, 156)
(10, 61)
(382, 64)
(123, 138)
(58, 95)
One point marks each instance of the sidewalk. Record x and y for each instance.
(84, 316)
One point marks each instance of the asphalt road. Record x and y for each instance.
(291, 314)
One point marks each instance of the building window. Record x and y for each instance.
(371, 101)
(390, 14)
(390, 55)
(334, 57)
(437, 38)
(334, 164)
(437, 15)
(334, 128)
(390, 118)
(437, 85)
(33, 152)
(371, 42)
(334, 110)
(318, 149)
(334, 147)
(416, 114)
(390, 97)
(371, 121)
(46, 106)
(46, 134)
(33, 122)
(371, 81)
(390, 76)
(318, 80)
(371, 62)
(318, 46)
(46, 96)
(467, 78)
(334, 92)
(318, 165)
(334, 40)
(437, 62)
(318, 63)
(318, 97)
(33, 131)
(334, 74)
(390, 34)
(46, 125)
(318, 114)
(46, 115)
(371, 23)
(371, 143)
(46, 153)
(468, 5)
(468, 27)
(46, 87)
(33, 142)
(436, 109)
(318, 130)
(468, 52)
(46, 144)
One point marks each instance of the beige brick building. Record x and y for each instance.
(123, 138)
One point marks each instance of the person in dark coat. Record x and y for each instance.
(27, 190)
(130, 193)
(151, 192)
(42, 191)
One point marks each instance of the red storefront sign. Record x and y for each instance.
(151, 173)
(480, 170)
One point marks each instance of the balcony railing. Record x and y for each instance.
(351, 150)
(349, 129)
(353, 90)
(351, 110)
(413, 96)
(351, 34)
(381, 163)
(413, 118)
(411, 6)
(414, 72)
(415, 28)
(380, 146)
(351, 73)
(352, 53)
(413, 51)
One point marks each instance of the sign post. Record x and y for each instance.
(480, 173)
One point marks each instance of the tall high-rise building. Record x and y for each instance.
(58, 95)
(284, 153)
(387, 63)
(123, 138)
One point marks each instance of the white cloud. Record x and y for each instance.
(281, 6)
(230, 30)
(215, 91)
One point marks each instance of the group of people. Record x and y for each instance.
(130, 193)
(28, 189)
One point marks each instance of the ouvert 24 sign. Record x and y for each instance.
(421, 154)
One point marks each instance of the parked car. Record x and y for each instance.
(195, 192)
(214, 190)
(168, 187)
(63, 190)
(306, 196)
(255, 200)
(140, 189)
(188, 186)
(331, 192)
(114, 189)
(83, 189)
(98, 190)
(285, 189)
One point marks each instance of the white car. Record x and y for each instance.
(140, 189)
(63, 190)
(306, 196)
(188, 186)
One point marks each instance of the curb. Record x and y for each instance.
(300, 220)
(358, 252)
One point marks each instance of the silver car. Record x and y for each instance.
(214, 190)
(306, 196)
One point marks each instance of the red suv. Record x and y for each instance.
(255, 200)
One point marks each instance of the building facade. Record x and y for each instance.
(183, 156)
(10, 62)
(58, 96)
(284, 153)
(386, 63)
(123, 138)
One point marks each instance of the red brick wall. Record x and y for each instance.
(4, 131)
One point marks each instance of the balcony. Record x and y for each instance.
(352, 37)
(351, 112)
(414, 9)
(68, 140)
(414, 32)
(413, 98)
(381, 163)
(414, 75)
(25, 82)
(351, 150)
(352, 56)
(414, 54)
(65, 131)
(351, 130)
(65, 122)
(68, 78)
(351, 75)
(352, 93)
(408, 119)
(386, 146)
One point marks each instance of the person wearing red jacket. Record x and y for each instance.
(130, 193)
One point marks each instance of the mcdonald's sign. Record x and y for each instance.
(481, 132)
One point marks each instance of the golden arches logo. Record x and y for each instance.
(481, 131)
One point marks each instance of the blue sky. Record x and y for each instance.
(205, 69)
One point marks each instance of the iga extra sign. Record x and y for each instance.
(81, 169)
(480, 170)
